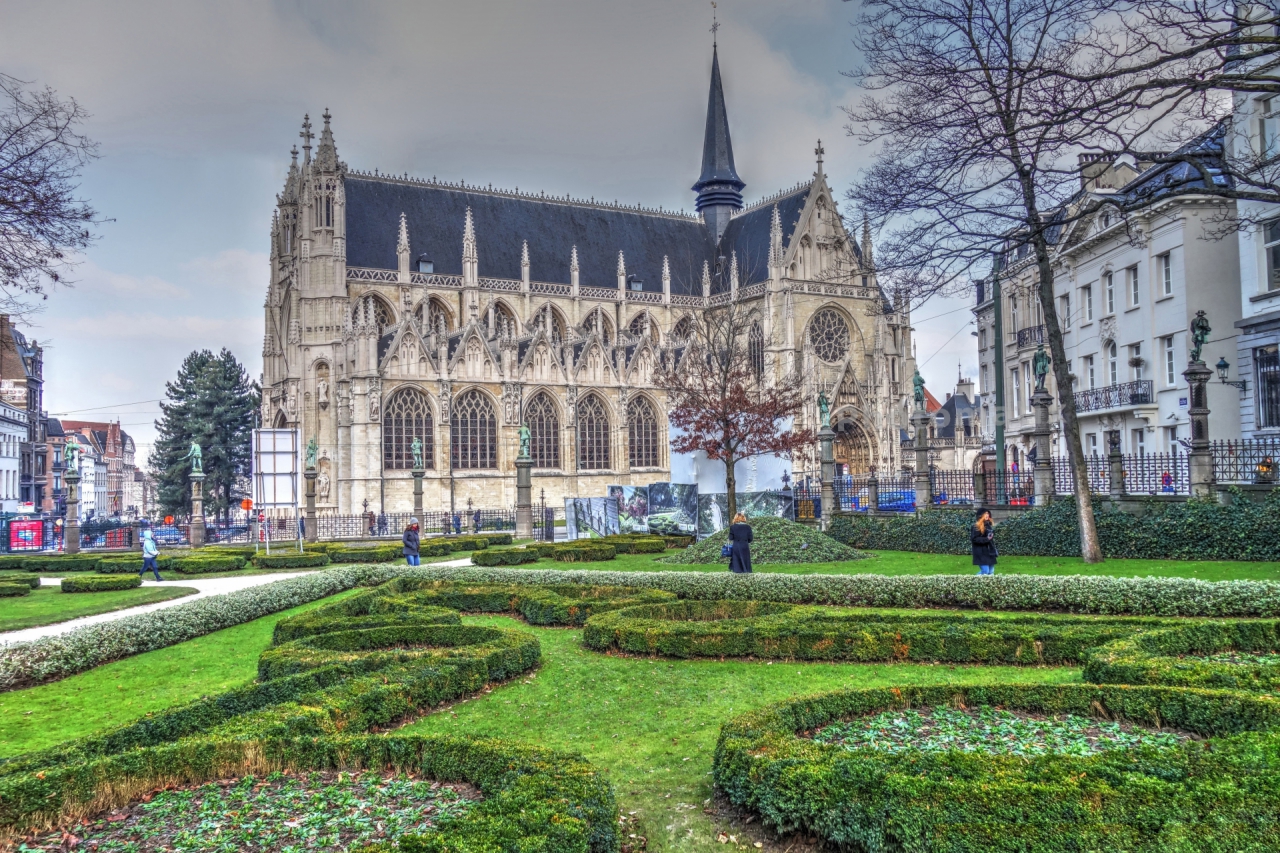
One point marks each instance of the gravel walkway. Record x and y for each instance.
(204, 588)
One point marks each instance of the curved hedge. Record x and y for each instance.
(1216, 794)
(30, 581)
(586, 551)
(508, 557)
(377, 554)
(127, 565)
(100, 583)
(290, 561)
(1173, 656)
(689, 629)
(317, 697)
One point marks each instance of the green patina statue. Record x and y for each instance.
(416, 449)
(71, 455)
(824, 409)
(1199, 334)
(1040, 364)
(917, 383)
(311, 453)
(524, 441)
(196, 455)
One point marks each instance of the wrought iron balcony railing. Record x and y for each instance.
(1115, 396)
(1030, 337)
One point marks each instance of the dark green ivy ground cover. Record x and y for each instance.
(776, 541)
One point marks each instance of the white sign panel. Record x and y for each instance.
(276, 464)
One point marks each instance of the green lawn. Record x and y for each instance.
(910, 563)
(652, 724)
(49, 604)
(118, 692)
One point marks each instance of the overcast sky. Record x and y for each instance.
(197, 104)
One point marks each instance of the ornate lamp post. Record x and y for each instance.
(1199, 458)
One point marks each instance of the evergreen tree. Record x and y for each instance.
(212, 403)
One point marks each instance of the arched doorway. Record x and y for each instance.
(853, 447)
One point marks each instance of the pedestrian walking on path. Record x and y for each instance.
(983, 541)
(411, 541)
(150, 553)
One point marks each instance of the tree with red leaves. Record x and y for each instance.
(721, 401)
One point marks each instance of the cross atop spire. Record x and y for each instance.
(819, 151)
(307, 136)
(715, 25)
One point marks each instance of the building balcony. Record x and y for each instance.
(1030, 337)
(1139, 393)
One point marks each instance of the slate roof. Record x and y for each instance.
(748, 234)
(1179, 176)
(957, 408)
(435, 213)
(53, 428)
(717, 147)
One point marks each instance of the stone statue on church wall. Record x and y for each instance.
(322, 486)
(322, 393)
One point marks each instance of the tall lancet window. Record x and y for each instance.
(593, 434)
(473, 432)
(755, 349)
(642, 434)
(544, 431)
(406, 417)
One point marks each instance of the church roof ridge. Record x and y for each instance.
(775, 197)
(542, 196)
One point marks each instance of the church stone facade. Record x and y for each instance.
(402, 308)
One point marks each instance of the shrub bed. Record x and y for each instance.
(378, 554)
(130, 565)
(508, 557)
(470, 543)
(200, 564)
(634, 543)
(583, 551)
(1182, 655)
(50, 658)
(100, 583)
(777, 540)
(30, 581)
(290, 561)
(542, 549)
(317, 697)
(1169, 531)
(9, 562)
(245, 554)
(60, 564)
(690, 629)
(1212, 794)
(14, 590)
(1038, 593)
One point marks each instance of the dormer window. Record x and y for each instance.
(1105, 221)
(424, 265)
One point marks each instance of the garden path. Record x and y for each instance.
(204, 588)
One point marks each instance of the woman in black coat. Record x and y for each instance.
(740, 539)
(983, 542)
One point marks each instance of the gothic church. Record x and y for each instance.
(402, 308)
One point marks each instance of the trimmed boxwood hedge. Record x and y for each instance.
(9, 589)
(584, 551)
(204, 563)
(127, 565)
(377, 554)
(1171, 656)
(691, 629)
(634, 543)
(1039, 593)
(542, 549)
(11, 561)
(30, 581)
(1217, 794)
(290, 561)
(1169, 531)
(100, 583)
(507, 557)
(61, 564)
(316, 697)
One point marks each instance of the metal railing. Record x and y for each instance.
(1156, 474)
(1254, 460)
(1139, 392)
(1030, 337)
(1009, 488)
(951, 488)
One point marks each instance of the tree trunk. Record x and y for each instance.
(731, 485)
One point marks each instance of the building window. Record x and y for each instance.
(1170, 438)
(1026, 378)
(544, 431)
(1089, 372)
(1166, 273)
(1267, 128)
(982, 338)
(1267, 361)
(1064, 308)
(473, 432)
(1132, 274)
(1170, 367)
(642, 434)
(593, 434)
(406, 417)
(1087, 297)
(1113, 364)
(1137, 442)
(1013, 314)
(755, 349)
(1013, 383)
(1271, 239)
(1109, 289)
(986, 389)
(1135, 361)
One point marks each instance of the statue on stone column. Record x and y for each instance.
(1199, 334)
(524, 441)
(71, 455)
(1040, 364)
(917, 383)
(196, 455)
(416, 449)
(824, 409)
(312, 450)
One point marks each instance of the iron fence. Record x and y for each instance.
(106, 534)
(32, 535)
(896, 492)
(951, 488)
(1156, 474)
(1246, 461)
(1064, 476)
(1009, 488)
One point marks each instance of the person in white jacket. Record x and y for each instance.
(149, 554)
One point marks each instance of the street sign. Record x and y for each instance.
(246, 504)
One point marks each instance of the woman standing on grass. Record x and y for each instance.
(983, 541)
(411, 541)
(740, 540)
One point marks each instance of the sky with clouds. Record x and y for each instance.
(195, 106)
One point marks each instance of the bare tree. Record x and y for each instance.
(41, 218)
(721, 400)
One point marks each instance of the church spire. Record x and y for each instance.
(719, 188)
(327, 152)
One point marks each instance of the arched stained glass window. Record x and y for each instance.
(643, 324)
(829, 334)
(371, 309)
(473, 432)
(755, 349)
(407, 416)
(434, 311)
(593, 434)
(683, 330)
(544, 431)
(642, 434)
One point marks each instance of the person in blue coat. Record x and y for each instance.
(983, 542)
(740, 540)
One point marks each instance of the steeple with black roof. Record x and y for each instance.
(719, 188)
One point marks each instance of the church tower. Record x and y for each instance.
(719, 188)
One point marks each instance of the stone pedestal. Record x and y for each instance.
(71, 530)
(1199, 457)
(418, 474)
(826, 438)
(195, 532)
(979, 489)
(524, 498)
(1043, 471)
(1115, 471)
(873, 493)
(924, 492)
(313, 529)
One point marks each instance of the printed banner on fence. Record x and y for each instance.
(713, 510)
(590, 517)
(633, 507)
(673, 509)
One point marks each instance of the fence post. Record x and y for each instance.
(1043, 471)
(524, 497)
(312, 526)
(873, 493)
(71, 527)
(979, 489)
(924, 496)
(1115, 469)
(1200, 457)
(826, 437)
